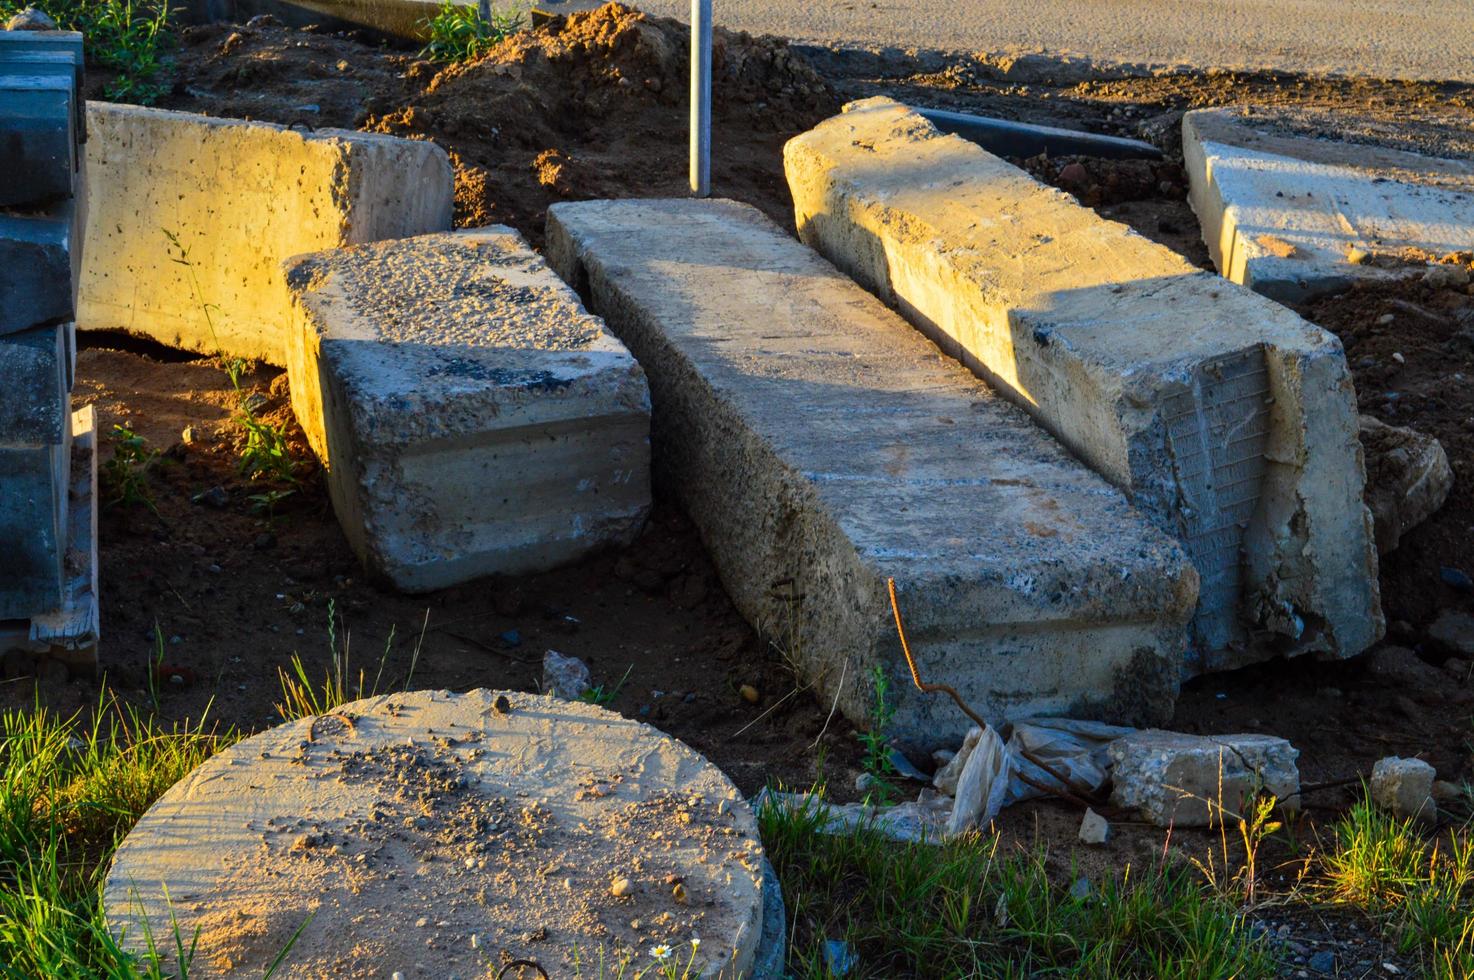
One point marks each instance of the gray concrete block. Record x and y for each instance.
(38, 136)
(243, 197)
(821, 446)
(1294, 217)
(33, 527)
(29, 48)
(38, 265)
(1201, 780)
(473, 419)
(1230, 421)
(33, 386)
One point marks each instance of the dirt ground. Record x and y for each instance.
(594, 106)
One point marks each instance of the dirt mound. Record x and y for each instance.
(595, 105)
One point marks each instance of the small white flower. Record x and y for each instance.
(661, 952)
(695, 942)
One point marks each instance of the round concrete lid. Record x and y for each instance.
(440, 834)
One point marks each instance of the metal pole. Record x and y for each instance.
(701, 98)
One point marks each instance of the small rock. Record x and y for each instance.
(1446, 276)
(1401, 666)
(864, 781)
(30, 19)
(262, 20)
(1323, 962)
(905, 769)
(1456, 578)
(1445, 791)
(1094, 829)
(1081, 889)
(1453, 632)
(1404, 788)
(215, 497)
(265, 541)
(1073, 176)
(749, 694)
(565, 677)
(511, 638)
(1385, 319)
(621, 887)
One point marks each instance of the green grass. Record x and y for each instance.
(459, 33)
(125, 475)
(1422, 892)
(131, 38)
(971, 908)
(68, 793)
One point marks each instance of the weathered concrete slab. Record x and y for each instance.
(472, 417)
(33, 386)
(242, 197)
(391, 831)
(38, 118)
(822, 446)
(1230, 421)
(1294, 217)
(39, 258)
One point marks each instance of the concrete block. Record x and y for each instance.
(1195, 780)
(33, 527)
(1230, 421)
(1408, 479)
(21, 51)
(1404, 788)
(1293, 217)
(821, 446)
(33, 386)
(38, 266)
(473, 419)
(38, 136)
(242, 197)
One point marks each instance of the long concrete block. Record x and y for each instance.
(38, 134)
(242, 197)
(473, 419)
(1230, 421)
(1293, 217)
(49, 49)
(39, 253)
(822, 446)
(34, 368)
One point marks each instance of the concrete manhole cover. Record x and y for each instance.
(439, 834)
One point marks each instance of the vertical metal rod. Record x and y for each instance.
(701, 98)
(483, 7)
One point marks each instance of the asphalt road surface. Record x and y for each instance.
(1414, 39)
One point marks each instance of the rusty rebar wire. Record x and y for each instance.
(890, 585)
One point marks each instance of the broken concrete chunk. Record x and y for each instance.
(1194, 780)
(1408, 479)
(1094, 829)
(1230, 421)
(565, 677)
(472, 418)
(1026, 581)
(1404, 788)
(242, 197)
(1292, 212)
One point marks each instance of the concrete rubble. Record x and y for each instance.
(48, 592)
(1230, 421)
(473, 419)
(1198, 780)
(1404, 788)
(1027, 582)
(1408, 479)
(242, 197)
(1292, 212)
(565, 677)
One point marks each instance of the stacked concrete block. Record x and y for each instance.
(41, 215)
(1230, 421)
(472, 417)
(822, 446)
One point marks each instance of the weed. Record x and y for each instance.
(264, 503)
(670, 963)
(877, 759)
(969, 907)
(461, 33)
(604, 698)
(126, 475)
(127, 36)
(266, 453)
(155, 665)
(301, 698)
